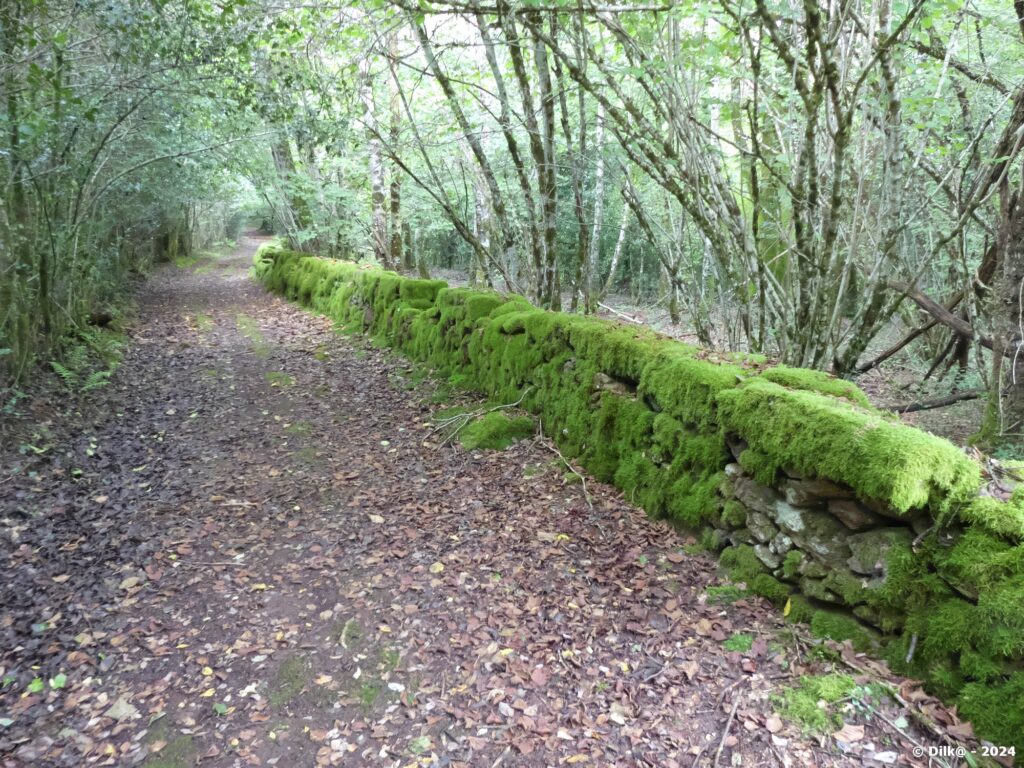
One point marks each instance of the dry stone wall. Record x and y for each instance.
(864, 528)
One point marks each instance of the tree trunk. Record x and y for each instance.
(378, 220)
(1003, 423)
(617, 253)
(589, 288)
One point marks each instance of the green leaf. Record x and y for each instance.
(58, 682)
(36, 686)
(220, 708)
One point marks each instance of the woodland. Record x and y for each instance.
(511, 383)
(834, 185)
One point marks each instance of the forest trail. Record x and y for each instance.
(247, 551)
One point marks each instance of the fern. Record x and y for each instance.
(69, 376)
(96, 380)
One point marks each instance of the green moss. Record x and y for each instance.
(724, 594)
(289, 681)
(734, 514)
(739, 643)
(838, 626)
(816, 381)
(1005, 518)
(179, 751)
(496, 431)
(819, 436)
(808, 704)
(791, 564)
(742, 565)
(800, 609)
(652, 416)
(996, 709)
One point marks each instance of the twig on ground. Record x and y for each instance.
(728, 725)
(202, 563)
(583, 480)
(461, 420)
(620, 314)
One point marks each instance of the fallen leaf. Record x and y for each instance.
(849, 733)
(122, 709)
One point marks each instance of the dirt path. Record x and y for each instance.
(246, 551)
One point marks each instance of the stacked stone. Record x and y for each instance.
(814, 534)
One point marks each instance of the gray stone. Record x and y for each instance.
(756, 496)
(737, 445)
(733, 469)
(808, 493)
(870, 550)
(760, 526)
(817, 533)
(781, 544)
(813, 569)
(853, 515)
(740, 536)
(766, 556)
(816, 588)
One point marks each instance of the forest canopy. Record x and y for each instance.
(822, 182)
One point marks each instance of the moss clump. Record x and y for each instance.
(734, 514)
(822, 436)
(496, 431)
(808, 705)
(996, 709)
(725, 594)
(816, 381)
(741, 564)
(791, 563)
(739, 643)
(1005, 518)
(840, 626)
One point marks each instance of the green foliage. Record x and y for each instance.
(841, 626)
(809, 705)
(88, 358)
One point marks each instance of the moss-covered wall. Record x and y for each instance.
(865, 528)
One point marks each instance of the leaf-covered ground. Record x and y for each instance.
(253, 548)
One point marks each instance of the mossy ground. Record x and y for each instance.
(496, 431)
(179, 750)
(811, 704)
(290, 680)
